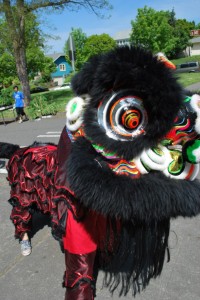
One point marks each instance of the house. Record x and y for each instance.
(63, 68)
(195, 48)
(122, 37)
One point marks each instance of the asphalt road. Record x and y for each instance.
(194, 87)
(39, 276)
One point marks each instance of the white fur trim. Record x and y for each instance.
(195, 173)
(72, 116)
(195, 99)
(185, 172)
(158, 159)
(197, 123)
(155, 161)
(195, 103)
(196, 153)
(74, 126)
(140, 166)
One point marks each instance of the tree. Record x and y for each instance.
(196, 26)
(7, 69)
(152, 30)
(87, 47)
(36, 60)
(16, 14)
(97, 44)
(79, 38)
(160, 31)
(181, 29)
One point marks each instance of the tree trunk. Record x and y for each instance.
(20, 59)
(15, 17)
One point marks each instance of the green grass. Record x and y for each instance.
(186, 59)
(187, 79)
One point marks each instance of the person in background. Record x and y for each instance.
(18, 96)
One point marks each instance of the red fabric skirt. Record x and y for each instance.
(31, 177)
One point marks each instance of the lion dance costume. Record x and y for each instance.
(125, 165)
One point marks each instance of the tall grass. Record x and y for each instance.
(59, 98)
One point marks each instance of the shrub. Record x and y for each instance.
(39, 106)
(69, 77)
(6, 96)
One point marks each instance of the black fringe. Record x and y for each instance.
(140, 257)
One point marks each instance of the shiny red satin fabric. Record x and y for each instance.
(31, 176)
(78, 278)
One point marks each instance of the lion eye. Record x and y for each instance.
(122, 115)
(131, 119)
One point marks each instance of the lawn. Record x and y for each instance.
(187, 79)
(186, 59)
(59, 98)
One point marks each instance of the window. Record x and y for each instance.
(193, 64)
(184, 65)
(62, 67)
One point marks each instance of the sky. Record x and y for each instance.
(123, 12)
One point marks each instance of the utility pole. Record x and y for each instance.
(71, 51)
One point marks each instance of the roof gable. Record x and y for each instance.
(195, 40)
(55, 56)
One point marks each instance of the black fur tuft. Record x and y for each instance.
(136, 69)
(7, 150)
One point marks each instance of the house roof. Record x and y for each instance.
(55, 55)
(121, 35)
(195, 40)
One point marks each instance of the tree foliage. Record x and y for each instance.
(7, 69)
(152, 30)
(196, 26)
(88, 46)
(16, 14)
(97, 44)
(36, 60)
(181, 31)
(160, 31)
(79, 38)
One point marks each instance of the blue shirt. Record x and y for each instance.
(19, 99)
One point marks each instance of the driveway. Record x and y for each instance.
(194, 87)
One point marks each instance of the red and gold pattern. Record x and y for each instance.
(123, 167)
(183, 129)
